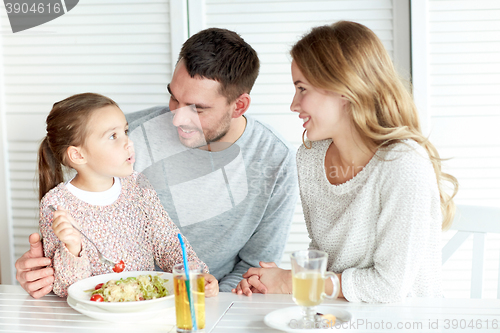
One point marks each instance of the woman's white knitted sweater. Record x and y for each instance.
(382, 228)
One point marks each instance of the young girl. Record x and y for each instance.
(106, 200)
(371, 184)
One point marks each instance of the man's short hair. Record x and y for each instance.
(222, 55)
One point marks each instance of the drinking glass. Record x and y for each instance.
(308, 281)
(182, 308)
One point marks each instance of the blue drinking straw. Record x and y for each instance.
(188, 289)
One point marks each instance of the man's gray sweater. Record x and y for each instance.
(234, 206)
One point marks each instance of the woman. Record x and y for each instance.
(371, 184)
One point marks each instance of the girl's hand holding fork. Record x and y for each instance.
(65, 232)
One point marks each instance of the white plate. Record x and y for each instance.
(77, 292)
(288, 319)
(155, 314)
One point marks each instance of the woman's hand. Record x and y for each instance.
(211, 285)
(65, 232)
(267, 279)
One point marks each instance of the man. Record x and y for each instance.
(227, 181)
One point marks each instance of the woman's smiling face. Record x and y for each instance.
(323, 112)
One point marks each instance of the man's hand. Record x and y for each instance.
(32, 273)
(267, 279)
(211, 285)
(246, 287)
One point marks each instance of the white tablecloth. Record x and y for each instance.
(232, 313)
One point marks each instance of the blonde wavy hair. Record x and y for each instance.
(349, 59)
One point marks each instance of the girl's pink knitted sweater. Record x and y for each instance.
(135, 228)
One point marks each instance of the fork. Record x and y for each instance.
(101, 256)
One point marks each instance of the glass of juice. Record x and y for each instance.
(182, 306)
(308, 281)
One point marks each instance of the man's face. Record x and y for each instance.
(201, 114)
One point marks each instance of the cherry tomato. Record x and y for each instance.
(99, 286)
(97, 298)
(119, 267)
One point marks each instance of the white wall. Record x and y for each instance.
(456, 48)
(6, 247)
(464, 85)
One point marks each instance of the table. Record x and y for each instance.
(228, 312)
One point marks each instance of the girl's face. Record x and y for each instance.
(108, 150)
(323, 112)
